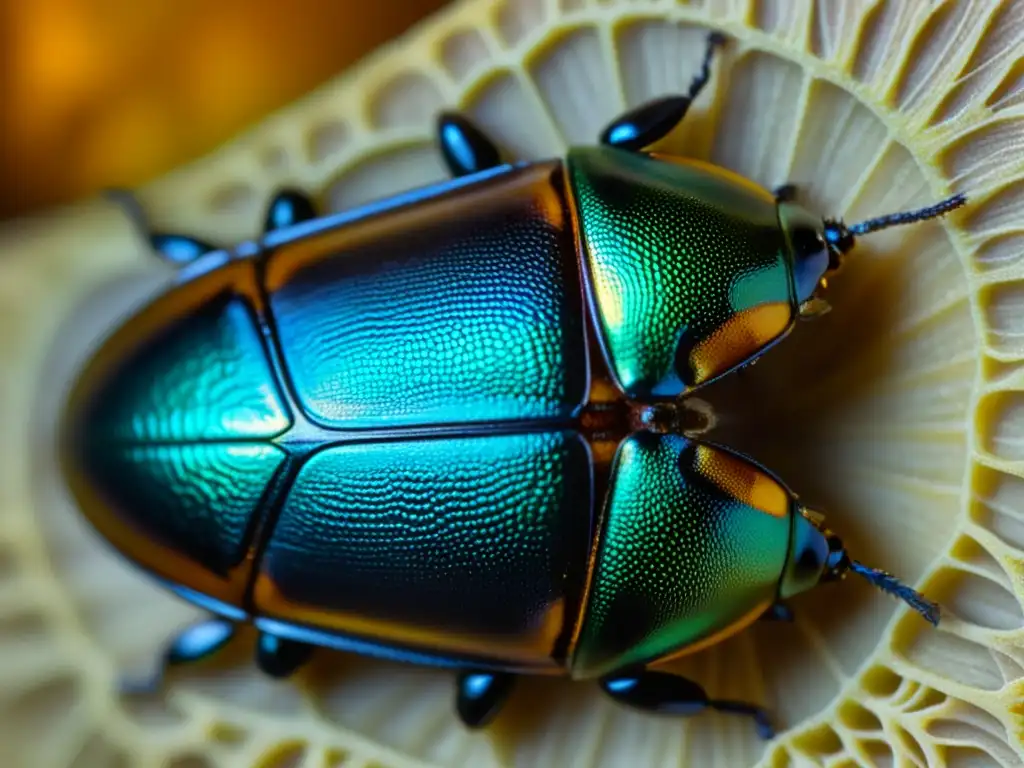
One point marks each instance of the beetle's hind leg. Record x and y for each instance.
(177, 249)
(466, 149)
(644, 125)
(662, 693)
(195, 643)
(480, 696)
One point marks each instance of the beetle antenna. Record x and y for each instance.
(841, 237)
(889, 583)
(895, 219)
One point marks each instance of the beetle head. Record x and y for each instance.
(813, 257)
(818, 246)
(817, 556)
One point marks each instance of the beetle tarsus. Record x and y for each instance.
(288, 207)
(650, 122)
(778, 612)
(279, 657)
(481, 696)
(466, 148)
(662, 693)
(196, 642)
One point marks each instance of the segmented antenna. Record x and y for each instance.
(889, 583)
(895, 219)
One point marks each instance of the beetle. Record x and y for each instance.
(450, 427)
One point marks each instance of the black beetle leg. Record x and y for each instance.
(481, 696)
(177, 249)
(466, 148)
(778, 612)
(644, 125)
(662, 693)
(786, 193)
(288, 207)
(198, 641)
(279, 657)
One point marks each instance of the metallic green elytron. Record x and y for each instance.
(448, 427)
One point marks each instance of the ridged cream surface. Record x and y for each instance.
(901, 412)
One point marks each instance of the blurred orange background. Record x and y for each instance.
(100, 93)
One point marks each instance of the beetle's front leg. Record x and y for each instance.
(662, 693)
(466, 148)
(642, 126)
(481, 695)
(198, 641)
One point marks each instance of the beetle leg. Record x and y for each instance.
(466, 149)
(778, 612)
(644, 125)
(198, 641)
(663, 693)
(786, 193)
(288, 207)
(177, 249)
(481, 696)
(279, 657)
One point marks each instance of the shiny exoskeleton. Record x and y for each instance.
(447, 427)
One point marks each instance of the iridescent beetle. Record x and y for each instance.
(446, 427)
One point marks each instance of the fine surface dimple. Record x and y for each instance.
(675, 255)
(205, 377)
(483, 537)
(195, 499)
(679, 558)
(472, 314)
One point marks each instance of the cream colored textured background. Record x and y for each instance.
(901, 412)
